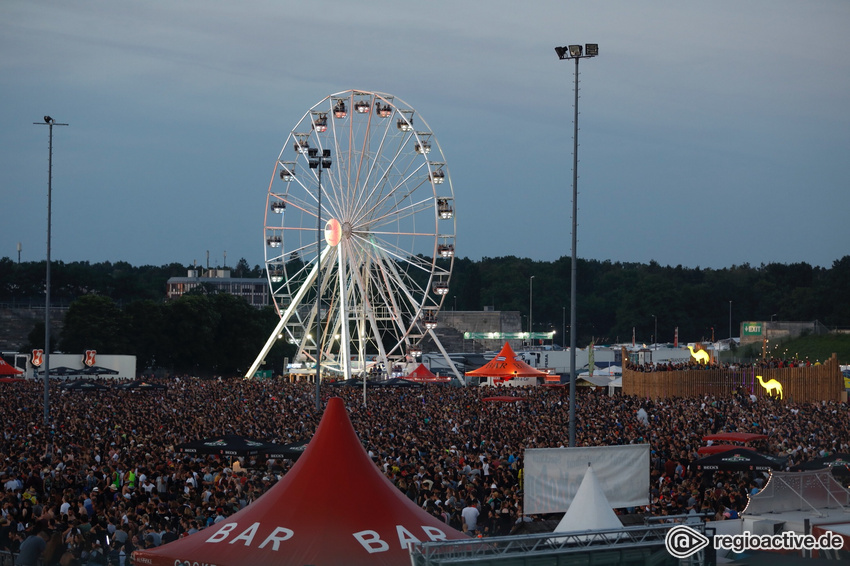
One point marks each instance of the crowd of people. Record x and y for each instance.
(693, 364)
(104, 478)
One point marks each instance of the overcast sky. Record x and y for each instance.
(712, 133)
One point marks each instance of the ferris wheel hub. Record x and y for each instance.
(333, 232)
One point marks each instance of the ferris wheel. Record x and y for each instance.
(360, 218)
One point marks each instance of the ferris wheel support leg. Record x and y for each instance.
(284, 318)
(446, 355)
(370, 318)
(268, 346)
(345, 347)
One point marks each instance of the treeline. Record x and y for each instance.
(212, 333)
(22, 283)
(612, 298)
(198, 334)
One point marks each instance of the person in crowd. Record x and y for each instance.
(32, 549)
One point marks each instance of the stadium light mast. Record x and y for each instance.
(319, 162)
(49, 122)
(574, 52)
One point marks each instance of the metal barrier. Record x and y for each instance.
(632, 545)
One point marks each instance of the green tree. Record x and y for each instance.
(145, 329)
(94, 322)
(190, 325)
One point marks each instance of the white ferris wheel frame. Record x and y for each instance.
(393, 204)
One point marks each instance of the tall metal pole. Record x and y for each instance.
(574, 52)
(530, 304)
(573, 273)
(319, 293)
(319, 161)
(49, 122)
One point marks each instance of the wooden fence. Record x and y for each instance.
(814, 383)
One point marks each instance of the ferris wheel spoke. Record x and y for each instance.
(399, 254)
(374, 164)
(396, 215)
(401, 295)
(386, 188)
(385, 169)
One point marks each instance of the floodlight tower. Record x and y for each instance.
(574, 52)
(49, 122)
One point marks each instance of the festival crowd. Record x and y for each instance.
(692, 364)
(105, 479)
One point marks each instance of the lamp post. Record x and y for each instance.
(49, 122)
(530, 302)
(574, 52)
(319, 163)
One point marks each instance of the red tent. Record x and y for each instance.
(6, 369)
(423, 374)
(333, 507)
(735, 436)
(506, 366)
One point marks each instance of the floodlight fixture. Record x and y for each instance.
(577, 52)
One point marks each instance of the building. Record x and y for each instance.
(255, 291)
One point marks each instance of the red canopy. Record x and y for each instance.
(423, 374)
(735, 437)
(506, 365)
(333, 507)
(718, 448)
(6, 369)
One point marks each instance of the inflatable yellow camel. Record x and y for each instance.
(701, 356)
(770, 385)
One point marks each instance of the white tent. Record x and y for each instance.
(589, 510)
(614, 384)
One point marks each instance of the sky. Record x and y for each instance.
(712, 134)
